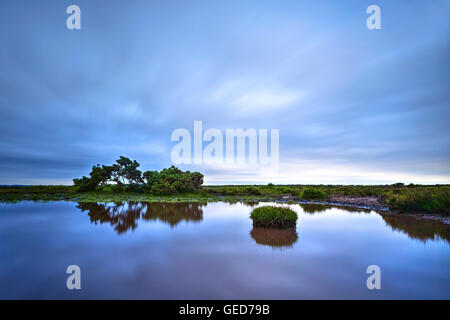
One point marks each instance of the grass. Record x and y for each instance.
(274, 217)
(399, 197)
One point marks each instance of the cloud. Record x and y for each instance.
(352, 105)
(265, 100)
(244, 98)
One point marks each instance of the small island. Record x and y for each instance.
(274, 217)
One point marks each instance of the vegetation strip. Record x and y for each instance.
(123, 181)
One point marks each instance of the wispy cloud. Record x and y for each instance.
(245, 98)
(352, 105)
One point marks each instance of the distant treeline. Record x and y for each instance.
(124, 175)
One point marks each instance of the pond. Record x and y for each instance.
(211, 251)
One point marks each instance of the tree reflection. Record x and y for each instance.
(275, 238)
(123, 216)
(418, 228)
(174, 213)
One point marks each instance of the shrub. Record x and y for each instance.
(310, 193)
(173, 180)
(274, 217)
(106, 188)
(252, 190)
(164, 188)
(432, 200)
(229, 191)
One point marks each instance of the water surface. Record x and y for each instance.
(211, 251)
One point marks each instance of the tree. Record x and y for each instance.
(125, 174)
(125, 171)
(197, 179)
(99, 175)
(151, 177)
(172, 180)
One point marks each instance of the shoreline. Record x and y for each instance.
(372, 203)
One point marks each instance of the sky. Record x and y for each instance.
(352, 105)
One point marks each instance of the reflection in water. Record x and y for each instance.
(416, 228)
(313, 208)
(123, 216)
(250, 204)
(215, 258)
(275, 238)
(421, 229)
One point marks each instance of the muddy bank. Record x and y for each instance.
(370, 203)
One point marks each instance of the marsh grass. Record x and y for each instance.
(274, 217)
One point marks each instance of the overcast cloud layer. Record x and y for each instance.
(352, 105)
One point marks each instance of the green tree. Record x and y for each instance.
(126, 175)
(125, 171)
(99, 175)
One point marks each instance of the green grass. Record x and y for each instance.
(274, 217)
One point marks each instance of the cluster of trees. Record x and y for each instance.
(124, 175)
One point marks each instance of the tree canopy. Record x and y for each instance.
(125, 175)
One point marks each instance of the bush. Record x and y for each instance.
(432, 200)
(165, 189)
(172, 180)
(274, 217)
(310, 193)
(252, 190)
(229, 191)
(106, 188)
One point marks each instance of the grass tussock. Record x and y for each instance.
(274, 217)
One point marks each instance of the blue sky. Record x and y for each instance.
(353, 105)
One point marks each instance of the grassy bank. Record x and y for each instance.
(408, 198)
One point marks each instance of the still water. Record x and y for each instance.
(211, 251)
